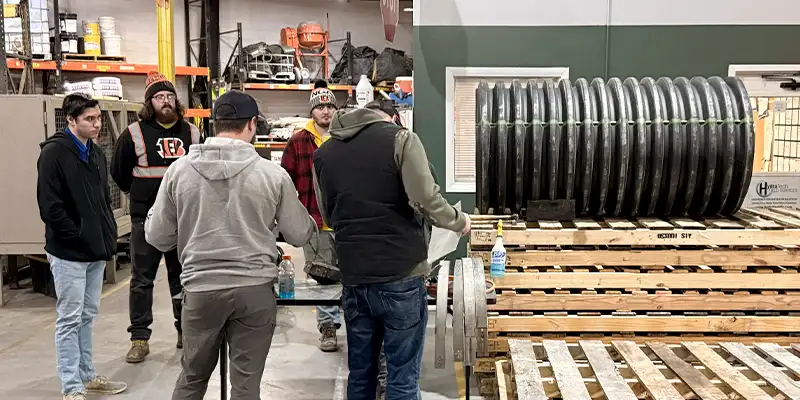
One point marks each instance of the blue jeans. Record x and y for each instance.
(394, 314)
(328, 317)
(78, 287)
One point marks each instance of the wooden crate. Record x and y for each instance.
(641, 277)
(658, 370)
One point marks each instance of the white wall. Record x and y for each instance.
(261, 20)
(603, 12)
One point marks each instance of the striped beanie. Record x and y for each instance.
(155, 83)
(321, 95)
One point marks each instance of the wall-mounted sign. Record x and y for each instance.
(390, 13)
(773, 189)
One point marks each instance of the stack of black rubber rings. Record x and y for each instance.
(650, 147)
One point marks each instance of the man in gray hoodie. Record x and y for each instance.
(372, 181)
(218, 205)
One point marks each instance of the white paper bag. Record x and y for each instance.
(443, 241)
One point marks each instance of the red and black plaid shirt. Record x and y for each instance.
(297, 160)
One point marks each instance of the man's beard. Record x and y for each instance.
(323, 124)
(167, 114)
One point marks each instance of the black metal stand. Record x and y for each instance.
(57, 50)
(467, 374)
(4, 75)
(207, 52)
(223, 369)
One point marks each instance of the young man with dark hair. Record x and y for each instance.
(320, 255)
(80, 236)
(218, 206)
(372, 180)
(141, 157)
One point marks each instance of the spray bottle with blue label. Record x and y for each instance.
(498, 265)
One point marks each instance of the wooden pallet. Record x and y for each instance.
(644, 323)
(94, 58)
(498, 343)
(677, 259)
(662, 300)
(762, 227)
(626, 280)
(627, 370)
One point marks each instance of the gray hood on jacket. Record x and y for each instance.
(218, 205)
(220, 159)
(347, 123)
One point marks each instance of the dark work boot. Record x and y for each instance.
(139, 350)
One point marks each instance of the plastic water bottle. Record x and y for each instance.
(498, 266)
(286, 278)
(364, 92)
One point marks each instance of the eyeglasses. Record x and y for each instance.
(164, 97)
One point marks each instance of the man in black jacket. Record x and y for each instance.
(142, 155)
(372, 180)
(80, 236)
(386, 109)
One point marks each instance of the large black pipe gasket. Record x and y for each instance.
(622, 147)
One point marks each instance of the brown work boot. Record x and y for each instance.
(101, 385)
(139, 350)
(180, 341)
(75, 396)
(328, 341)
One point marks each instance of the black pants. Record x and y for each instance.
(146, 260)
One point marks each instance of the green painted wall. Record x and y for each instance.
(632, 51)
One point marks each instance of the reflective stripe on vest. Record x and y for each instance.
(142, 169)
(149, 172)
(138, 144)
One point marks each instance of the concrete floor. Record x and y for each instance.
(295, 368)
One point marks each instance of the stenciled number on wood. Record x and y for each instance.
(673, 235)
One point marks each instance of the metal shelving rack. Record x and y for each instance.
(57, 66)
(200, 88)
(4, 74)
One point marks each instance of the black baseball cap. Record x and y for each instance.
(387, 107)
(235, 105)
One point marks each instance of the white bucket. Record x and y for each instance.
(112, 45)
(108, 25)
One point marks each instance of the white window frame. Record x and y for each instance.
(743, 70)
(451, 73)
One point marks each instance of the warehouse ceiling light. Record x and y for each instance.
(408, 9)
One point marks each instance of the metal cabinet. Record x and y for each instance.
(25, 122)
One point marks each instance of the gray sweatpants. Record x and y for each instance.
(245, 316)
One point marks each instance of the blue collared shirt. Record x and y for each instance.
(83, 149)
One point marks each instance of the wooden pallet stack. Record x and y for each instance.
(712, 280)
(625, 370)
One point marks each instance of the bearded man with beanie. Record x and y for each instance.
(320, 255)
(142, 155)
